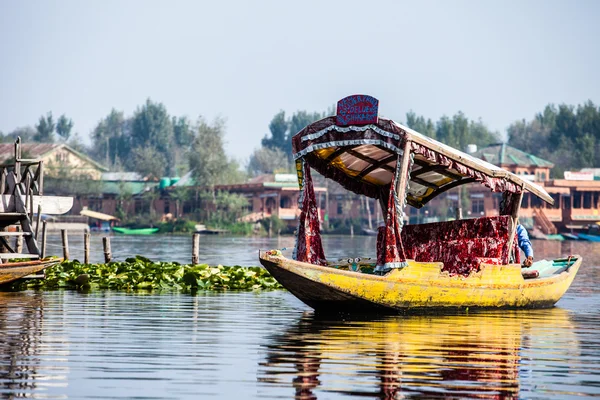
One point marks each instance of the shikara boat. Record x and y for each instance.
(456, 264)
(12, 271)
(135, 231)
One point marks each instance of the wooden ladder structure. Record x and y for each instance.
(21, 183)
(540, 219)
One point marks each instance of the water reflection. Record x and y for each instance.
(21, 319)
(477, 356)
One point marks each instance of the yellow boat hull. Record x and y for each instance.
(418, 286)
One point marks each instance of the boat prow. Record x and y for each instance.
(423, 286)
(10, 272)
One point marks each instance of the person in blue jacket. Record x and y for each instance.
(525, 245)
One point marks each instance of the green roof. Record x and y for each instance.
(503, 154)
(130, 187)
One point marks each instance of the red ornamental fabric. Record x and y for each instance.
(390, 252)
(308, 245)
(460, 245)
(496, 184)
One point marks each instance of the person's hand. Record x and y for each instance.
(528, 262)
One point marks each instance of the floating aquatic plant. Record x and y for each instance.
(140, 273)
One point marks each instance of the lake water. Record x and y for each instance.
(268, 345)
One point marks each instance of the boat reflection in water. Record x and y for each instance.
(487, 355)
(21, 327)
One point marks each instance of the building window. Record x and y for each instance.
(536, 202)
(285, 202)
(556, 198)
(496, 199)
(477, 206)
(587, 199)
(141, 205)
(95, 204)
(167, 208)
(576, 199)
(271, 205)
(525, 202)
(340, 207)
(543, 176)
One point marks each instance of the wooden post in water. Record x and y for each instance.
(86, 247)
(107, 253)
(195, 248)
(44, 235)
(65, 243)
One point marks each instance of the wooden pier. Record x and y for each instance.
(21, 196)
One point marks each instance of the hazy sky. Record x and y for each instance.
(246, 60)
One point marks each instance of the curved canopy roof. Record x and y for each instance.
(363, 159)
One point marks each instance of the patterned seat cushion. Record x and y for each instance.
(460, 245)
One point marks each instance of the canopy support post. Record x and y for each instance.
(515, 222)
(401, 189)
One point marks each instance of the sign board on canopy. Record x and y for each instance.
(579, 176)
(357, 109)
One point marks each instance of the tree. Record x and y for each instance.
(183, 132)
(63, 127)
(419, 124)
(457, 131)
(45, 129)
(183, 136)
(278, 128)
(77, 144)
(207, 158)
(267, 160)
(230, 206)
(26, 133)
(282, 130)
(150, 195)
(123, 198)
(111, 140)
(152, 127)
(299, 121)
(180, 195)
(148, 161)
(568, 136)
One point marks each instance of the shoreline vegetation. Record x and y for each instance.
(142, 274)
(182, 226)
(157, 145)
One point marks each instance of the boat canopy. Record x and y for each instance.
(97, 215)
(380, 158)
(363, 159)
